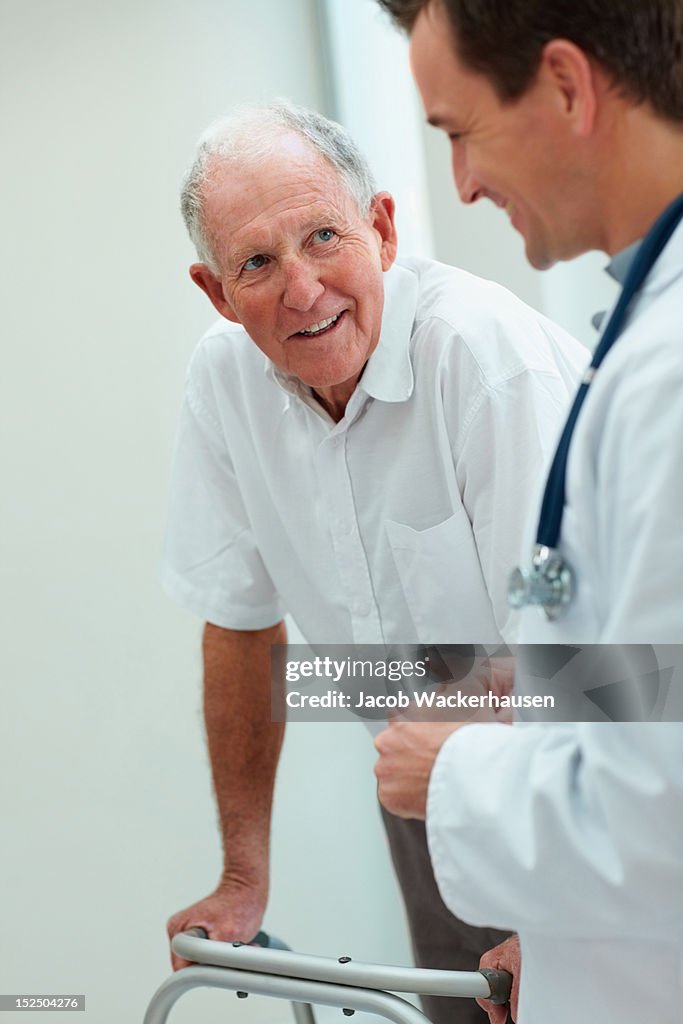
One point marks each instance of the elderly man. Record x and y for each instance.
(360, 442)
(571, 117)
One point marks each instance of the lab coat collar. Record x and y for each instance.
(669, 266)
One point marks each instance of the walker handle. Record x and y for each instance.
(262, 939)
(486, 983)
(500, 983)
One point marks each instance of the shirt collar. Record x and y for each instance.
(388, 374)
(619, 266)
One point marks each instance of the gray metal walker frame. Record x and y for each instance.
(272, 969)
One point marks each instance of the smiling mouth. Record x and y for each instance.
(321, 327)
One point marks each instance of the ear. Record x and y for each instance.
(382, 220)
(573, 77)
(209, 283)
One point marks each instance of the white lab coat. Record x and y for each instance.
(572, 834)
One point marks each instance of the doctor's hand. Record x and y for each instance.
(505, 957)
(407, 751)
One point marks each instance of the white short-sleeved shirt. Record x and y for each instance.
(400, 523)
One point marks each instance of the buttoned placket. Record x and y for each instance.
(342, 516)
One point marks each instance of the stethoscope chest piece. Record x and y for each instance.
(549, 583)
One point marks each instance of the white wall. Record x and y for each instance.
(108, 824)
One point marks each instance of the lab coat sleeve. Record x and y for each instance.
(572, 828)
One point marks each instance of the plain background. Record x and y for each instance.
(108, 821)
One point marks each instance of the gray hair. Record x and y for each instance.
(249, 134)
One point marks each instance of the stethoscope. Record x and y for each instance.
(551, 581)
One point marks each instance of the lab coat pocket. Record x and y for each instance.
(442, 582)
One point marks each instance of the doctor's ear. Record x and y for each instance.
(212, 286)
(573, 78)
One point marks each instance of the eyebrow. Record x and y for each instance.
(238, 257)
(314, 223)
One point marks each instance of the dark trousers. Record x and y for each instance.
(439, 939)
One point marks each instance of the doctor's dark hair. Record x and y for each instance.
(638, 43)
(250, 135)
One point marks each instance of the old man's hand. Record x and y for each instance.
(407, 751)
(505, 957)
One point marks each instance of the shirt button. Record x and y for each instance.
(362, 610)
(344, 529)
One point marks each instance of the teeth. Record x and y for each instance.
(320, 326)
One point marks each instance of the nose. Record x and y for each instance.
(302, 286)
(467, 185)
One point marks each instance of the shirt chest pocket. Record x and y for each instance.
(442, 582)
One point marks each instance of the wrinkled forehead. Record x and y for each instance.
(289, 167)
(286, 187)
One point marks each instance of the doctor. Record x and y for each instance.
(570, 117)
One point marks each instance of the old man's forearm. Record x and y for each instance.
(244, 745)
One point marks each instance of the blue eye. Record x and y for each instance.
(255, 262)
(324, 234)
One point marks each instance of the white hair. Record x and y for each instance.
(249, 135)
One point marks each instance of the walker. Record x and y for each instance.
(269, 968)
